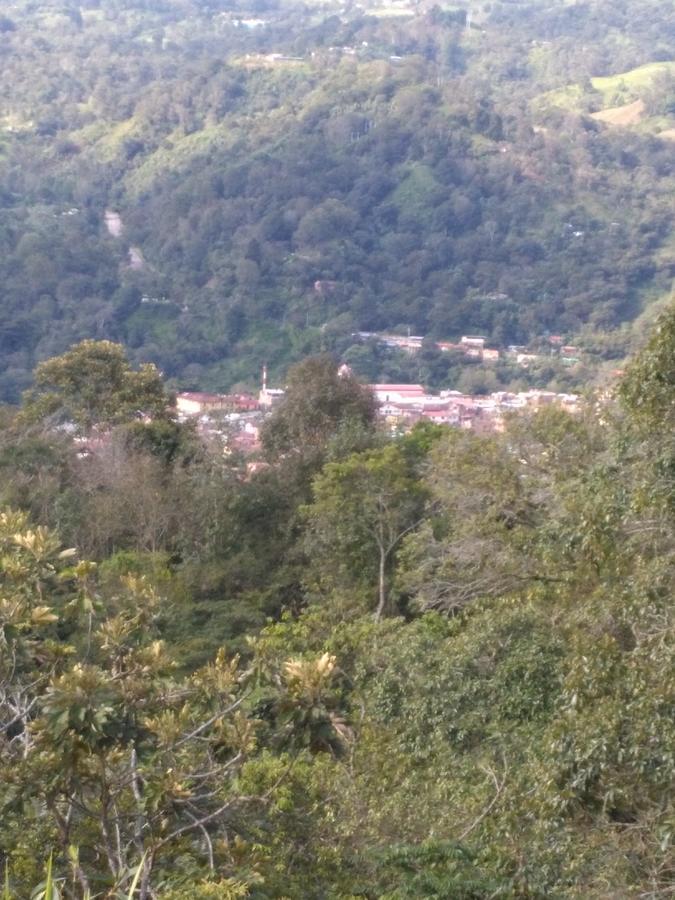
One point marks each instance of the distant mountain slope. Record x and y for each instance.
(285, 176)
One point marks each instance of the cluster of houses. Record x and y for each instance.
(473, 347)
(235, 420)
(568, 353)
(229, 420)
(402, 405)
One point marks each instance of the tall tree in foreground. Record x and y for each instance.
(104, 748)
(362, 509)
(478, 541)
(322, 404)
(93, 383)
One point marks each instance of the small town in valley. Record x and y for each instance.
(235, 420)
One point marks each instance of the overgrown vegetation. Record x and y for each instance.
(434, 666)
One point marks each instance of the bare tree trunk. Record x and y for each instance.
(382, 585)
(144, 887)
(140, 820)
(63, 824)
(114, 862)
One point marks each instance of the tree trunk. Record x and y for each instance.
(382, 587)
(144, 887)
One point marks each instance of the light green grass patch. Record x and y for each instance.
(630, 84)
(609, 93)
(569, 97)
(104, 138)
(115, 136)
(176, 153)
(416, 190)
(483, 146)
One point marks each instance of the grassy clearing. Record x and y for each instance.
(569, 97)
(611, 92)
(177, 152)
(483, 146)
(630, 83)
(112, 140)
(618, 100)
(629, 114)
(105, 139)
(416, 190)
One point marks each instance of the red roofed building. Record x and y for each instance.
(444, 414)
(196, 403)
(243, 402)
(397, 393)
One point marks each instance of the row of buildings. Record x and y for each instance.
(235, 419)
(474, 347)
(471, 347)
(402, 405)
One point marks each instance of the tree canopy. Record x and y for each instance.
(94, 384)
(437, 664)
(322, 403)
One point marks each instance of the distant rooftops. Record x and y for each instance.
(399, 388)
(199, 396)
(197, 402)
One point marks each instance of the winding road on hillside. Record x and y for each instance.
(115, 225)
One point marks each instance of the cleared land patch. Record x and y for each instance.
(634, 81)
(628, 114)
(612, 92)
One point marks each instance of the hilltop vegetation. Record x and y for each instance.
(644, 97)
(413, 169)
(439, 666)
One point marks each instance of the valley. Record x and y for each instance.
(419, 162)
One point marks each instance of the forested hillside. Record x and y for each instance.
(434, 666)
(278, 176)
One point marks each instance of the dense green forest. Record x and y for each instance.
(279, 176)
(436, 666)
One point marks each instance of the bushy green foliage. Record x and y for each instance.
(455, 666)
(94, 385)
(321, 409)
(105, 749)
